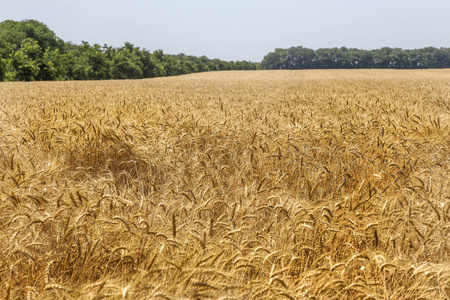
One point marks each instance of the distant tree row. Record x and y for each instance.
(350, 58)
(29, 51)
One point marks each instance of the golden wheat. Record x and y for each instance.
(227, 185)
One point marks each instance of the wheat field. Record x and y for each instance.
(227, 185)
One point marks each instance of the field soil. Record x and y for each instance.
(227, 185)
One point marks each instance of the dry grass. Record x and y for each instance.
(232, 185)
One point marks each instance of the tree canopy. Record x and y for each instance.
(351, 58)
(29, 51)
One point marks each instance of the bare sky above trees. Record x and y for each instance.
(241, 29)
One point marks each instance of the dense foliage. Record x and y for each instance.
(350, 58)
(29, 50)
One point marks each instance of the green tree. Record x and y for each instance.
(152, 66)
(23, 64)
(336, 58)
(172, 66)
(29, 50)
(126, 63)
(98, 67)
(12, 35)
(275, 60)
(300, 58)
(2, 68)
(53, 66)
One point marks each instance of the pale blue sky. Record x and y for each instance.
(241, 29)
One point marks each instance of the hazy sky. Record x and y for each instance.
(241, 29)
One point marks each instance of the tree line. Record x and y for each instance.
(30, 51)
(351, 58)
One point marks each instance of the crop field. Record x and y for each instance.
(227, 185)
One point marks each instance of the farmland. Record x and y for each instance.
(227, 185)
